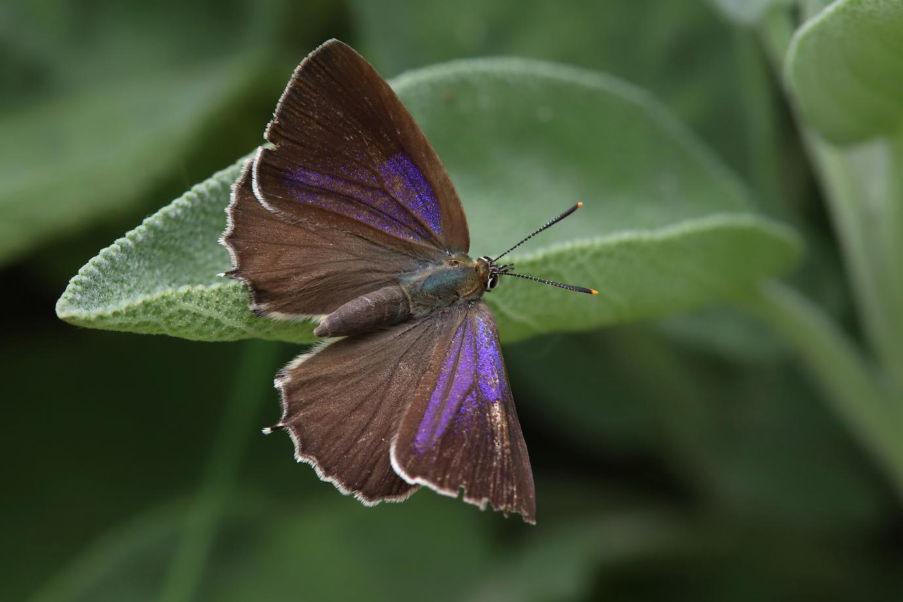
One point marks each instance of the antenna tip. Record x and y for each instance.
(579, 204)
(593, 291)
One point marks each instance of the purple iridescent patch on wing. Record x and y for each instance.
(404, 181)
(454, 387)
(490, 366)
(471, 379)
(398, 200)
(358, 196)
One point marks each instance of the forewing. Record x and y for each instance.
(343, 403)
(296, 266)
(461, 430)
(346, 153)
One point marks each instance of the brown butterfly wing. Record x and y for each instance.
(356, 194)
(295, 266)
(343, 143)
(343, 403)
(461, 430)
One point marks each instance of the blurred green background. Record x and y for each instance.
(684, 459)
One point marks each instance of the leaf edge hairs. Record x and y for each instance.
(347, 215)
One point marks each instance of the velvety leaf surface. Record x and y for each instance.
(664, 227)
(846, 68)
(163, 277)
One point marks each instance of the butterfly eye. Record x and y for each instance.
(492, 282)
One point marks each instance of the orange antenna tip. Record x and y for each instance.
(579, 204)
(593, 291)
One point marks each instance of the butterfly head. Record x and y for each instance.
(490, 273)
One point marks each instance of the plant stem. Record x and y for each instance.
(237, 424)
(848, 382)
(858, 186)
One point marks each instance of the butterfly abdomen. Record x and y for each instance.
(384, 307)
(417, 295)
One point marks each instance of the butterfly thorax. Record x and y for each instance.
(456, 279)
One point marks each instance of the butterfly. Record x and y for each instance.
(346, 215)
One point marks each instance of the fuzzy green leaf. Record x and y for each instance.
(664, 228)
(846, 68)
(163, 277)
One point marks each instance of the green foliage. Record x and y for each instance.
(711, 77)
(129, 159)
(521, 139)
(746, 12)
(747, 447)
(845, 70)
(163, 277)
(112, 101)
(259, 558)
(102, 136)
(705, 417)
(845, 67)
